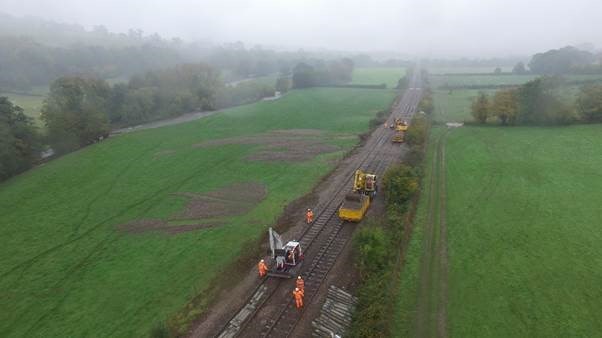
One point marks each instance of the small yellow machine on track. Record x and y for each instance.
(399, 137)
(357, 202)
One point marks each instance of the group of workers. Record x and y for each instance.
(299, 292)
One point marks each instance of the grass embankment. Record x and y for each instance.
(69, 270)
(376, 76)
(524, 231)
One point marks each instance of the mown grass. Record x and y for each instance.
(376, 76)
(67, 269)
(524, 231)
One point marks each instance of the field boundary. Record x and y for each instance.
(431, 311)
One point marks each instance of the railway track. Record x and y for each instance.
(330, 245)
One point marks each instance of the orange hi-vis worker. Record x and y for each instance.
(263, 269)
(298, 294)
(300, 284)
(309, 216)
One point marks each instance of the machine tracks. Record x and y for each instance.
(431, 317)
(327, 236)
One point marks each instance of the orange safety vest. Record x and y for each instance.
(262, 267)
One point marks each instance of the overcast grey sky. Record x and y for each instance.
(421, 27)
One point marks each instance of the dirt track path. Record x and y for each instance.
(431, 317)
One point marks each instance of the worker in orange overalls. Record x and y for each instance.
(309, 216)
(263, 269)
(298, 294)
(300, 284)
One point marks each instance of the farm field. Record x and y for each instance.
(127, 231)
(465, 70)
(467, 81)
(523, 219)
(454, 81)
(523, 237)
(376, 76)
(454, 106)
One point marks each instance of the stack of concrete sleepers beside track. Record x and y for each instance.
(336, 314)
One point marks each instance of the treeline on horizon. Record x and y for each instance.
(35, 52)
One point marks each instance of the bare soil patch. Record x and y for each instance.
(291, 145)
(204, 211)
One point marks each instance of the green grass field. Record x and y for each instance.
(376, 76)
(465, 70)
(485, 80)
(455, 106)
(453, 81)
(69, 270)
(524, 231)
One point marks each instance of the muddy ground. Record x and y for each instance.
(203, 210)
(291, 145)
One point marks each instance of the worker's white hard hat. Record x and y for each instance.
(262, 260)
(298, 277)
(296, 289)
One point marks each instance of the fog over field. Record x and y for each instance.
(413, 27)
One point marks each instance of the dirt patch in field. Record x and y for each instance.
(204, 211)
(233, 200)
(292, 145)
(145, 225)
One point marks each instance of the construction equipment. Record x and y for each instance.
(355, 205)
(400, 125)
(286, 259)
(398, 137)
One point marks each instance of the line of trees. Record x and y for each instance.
(538, 102)
(82, 110)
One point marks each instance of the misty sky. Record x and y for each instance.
(418, 27)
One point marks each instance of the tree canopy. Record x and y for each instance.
(480, 108)
(76, 112)
(589, 103)
(560, 61)
(19, 143)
